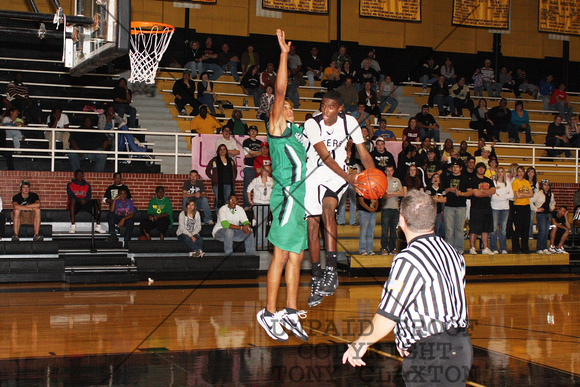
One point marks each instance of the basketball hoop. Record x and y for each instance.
(149, 40)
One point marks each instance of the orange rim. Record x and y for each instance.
(149, 28)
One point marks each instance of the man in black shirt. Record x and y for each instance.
(481, 218)
(470, 168)
(463, 153)
(381, 156)
(457, 189)
(113, 190)
(88, 141)
(427, 124)
(210, 61)
(194, 188)
(501, 117)
(229, 62)
(251, 148)
(26, 206)
(431, 165)
(313, 66)
(122, 97)
(184, 92)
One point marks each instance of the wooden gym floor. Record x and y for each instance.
(524, 330)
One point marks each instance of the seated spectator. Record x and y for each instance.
(381, 156)
(109, 119)
(259, 192)
(411, 133)
(222, 171)
(349, 95)
(80, 199)
(17, 96)
(233, 225)
(205, 92)
(520, 122)
(194, 189)
(374, 64)
(250, 58)
(292, 89)
(122, 212)
(506, 80)
(484, 157)
(263, 159)
(427, 125)
(193, 59)
(313, 66)
(209, 59)
(331, 76)
(559, 103)
(543, 204)
(184, 92)
(573, 132)
(448, 71)
(461, 97)
(388, 96)
(341, 56)
(89, 141)
(367, 216)
(500, 116)
(122, 98)
(57, 119)
(480, 120)
(251, 84)
(556, 137)
(113, 190)
(489, 83)
(159, 215)
(203, 123)
(295, 68)
(439, 95)
(546, 88)
(13, 120)
(347, 70)
(236, 125)
(477, 78)
(463, 153)
(229, 62)
(480, 144)
(266, 102)
(368, 97)
(382, 131)
(367, 74)
(189, 229)
(362, 117)
(268, 77)
(26, 209)
(447, 149)
(229, 142)
(524, 86)
(560, 231)
(430, 71)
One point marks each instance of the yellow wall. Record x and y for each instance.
(238, 17)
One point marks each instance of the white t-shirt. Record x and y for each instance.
(231, 144)
(237, 217)
(61, 122)
(262, 192)
(334, 137)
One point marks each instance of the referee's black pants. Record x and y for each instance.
(439, 360)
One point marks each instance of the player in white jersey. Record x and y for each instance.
(326, 182)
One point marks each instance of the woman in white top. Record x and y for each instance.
(189, 229)
(543, 203)
(532, 177)
(259, 192)
(500, 208)
(388, 95)
(57, 119)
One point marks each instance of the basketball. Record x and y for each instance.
(373, 183)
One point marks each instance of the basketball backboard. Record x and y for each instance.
(91, 46)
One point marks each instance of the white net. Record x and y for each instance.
(147, 47)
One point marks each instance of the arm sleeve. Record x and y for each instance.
(197, 228)
(251, 186)
(69, 192)
(183, 222)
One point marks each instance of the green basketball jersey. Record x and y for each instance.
(288, 156)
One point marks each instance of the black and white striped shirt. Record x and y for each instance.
(425, 292)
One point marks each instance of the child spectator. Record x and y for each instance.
(477, 83)
(113, 190)
(189, 229)
(122, 212)
(159, 215)
(80, 199)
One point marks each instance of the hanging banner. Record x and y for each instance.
(493, 14)
(559, 17)
(307, 6)
(402, 10)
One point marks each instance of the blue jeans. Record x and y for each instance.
(249, 175)
(544, 221)
(195, 67)
(439, 225)
(442, 100)
(493, 88)
(389, 221)
(193, 246)
(218, 203)
(114, 219)
(124, 108)
(350, 192)
(431, 133)
(514, 130)
(99, 159)
(208, 99)
(388, 100)
(565, 111)
(217, 70)
(202, 204)
(228, 236)
(425, 80)
(531, 229)
(454, 221)
(500, 218)
(367, 221)
(232, 67)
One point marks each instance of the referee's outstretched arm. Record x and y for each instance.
(379, 328)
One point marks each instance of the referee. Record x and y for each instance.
(424, 302)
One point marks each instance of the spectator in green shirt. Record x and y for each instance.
(159, 215)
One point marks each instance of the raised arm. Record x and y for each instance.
(277, 120)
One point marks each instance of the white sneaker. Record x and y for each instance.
(552, 249)
(540, 252)
(487, 251)
(99, 229)
(371, 253)
(72, 229)
(546, 251)
(495, 251)
(560, 250)
(504, 252)
(291, 321)
(472, 251)
(363, 252)
(271, 324)
(183, 112)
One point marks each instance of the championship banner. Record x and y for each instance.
(307, 6)
(493, 14)
(203, 149)
(561, 17)
(402, 10)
